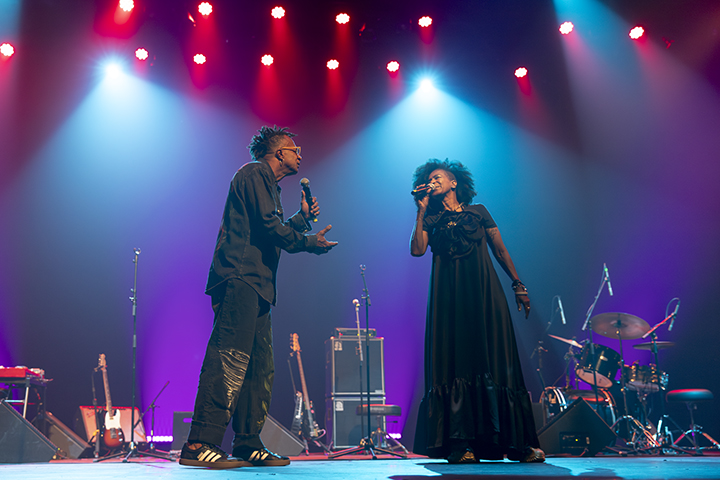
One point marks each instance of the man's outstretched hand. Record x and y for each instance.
(323, 245)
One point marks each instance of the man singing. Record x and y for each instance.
(237, 372)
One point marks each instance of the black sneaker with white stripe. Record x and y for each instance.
(209, 456)
(263, 458)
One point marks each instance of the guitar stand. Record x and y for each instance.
(317, 443)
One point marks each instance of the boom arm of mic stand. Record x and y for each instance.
(665, 320)
(592, 307)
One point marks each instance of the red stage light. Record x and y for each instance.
(126, 5)
(342, 18)
(7, 49)
(333, 64)
(205, 8)
(521, 72)
(278, 12)
(566, 28)
(393, 66)
(637, 32)
(199, 59)
(141, 54)
(267, 60)
(425, 21)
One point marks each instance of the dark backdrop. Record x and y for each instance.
(606, 153)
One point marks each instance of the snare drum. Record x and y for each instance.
(641, 378)
(605, 366)
(553, 402)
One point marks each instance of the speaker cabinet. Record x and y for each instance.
(69, 443)
(85, 425)
(345, 428)
(342, 367)
(181, 428)
(578, 431)
(20, 441)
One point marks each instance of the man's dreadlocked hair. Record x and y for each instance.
(267, 140)
(465, 190)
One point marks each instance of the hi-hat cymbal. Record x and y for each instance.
(571, 342)
(619, 325)
(648, 345)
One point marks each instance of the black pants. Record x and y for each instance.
(238, 370)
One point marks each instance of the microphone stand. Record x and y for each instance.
(96, 452)
(152, 422)
(588, 323)
(366, 445)
(133, 451)
(360, 353)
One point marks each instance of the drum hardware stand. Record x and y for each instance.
(366, 445)
(641, 437)
(663, 436)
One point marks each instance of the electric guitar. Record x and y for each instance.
(297, 415)
(113, 436)
(312, 427)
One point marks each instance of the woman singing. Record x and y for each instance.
(476, 405)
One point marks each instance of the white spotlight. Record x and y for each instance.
(426, 85)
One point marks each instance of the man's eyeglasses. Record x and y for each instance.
(295, 149)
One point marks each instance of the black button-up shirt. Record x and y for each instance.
(253, 232)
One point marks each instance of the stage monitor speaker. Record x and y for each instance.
(279, 439)
(538, 415)
(20, 441)
(342, 367)
(578, 431)
(68, 442)
(181, 428)
(85, 425)
(345, 428)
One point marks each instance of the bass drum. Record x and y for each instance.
(606, 407)
(605, 365)
(553, 403)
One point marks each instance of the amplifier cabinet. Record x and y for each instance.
(342, 367)
(344, 427)
(86, 426)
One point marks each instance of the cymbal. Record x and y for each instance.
(648, 345)
(619, 325)
(571, 342)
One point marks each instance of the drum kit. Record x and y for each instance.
(598, 366)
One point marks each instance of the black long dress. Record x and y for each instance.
(474, 387)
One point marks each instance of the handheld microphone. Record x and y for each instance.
(562, 312)
(674, 315)
(308, 196)
(607, 277)
(356, 303)
(421, 190)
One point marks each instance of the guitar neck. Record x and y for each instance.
(306, 398)
(108, 400)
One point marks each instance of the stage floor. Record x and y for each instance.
(359, 468)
